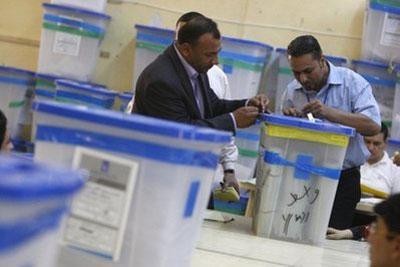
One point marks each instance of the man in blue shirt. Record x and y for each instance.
(337, 95)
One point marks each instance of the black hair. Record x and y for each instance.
(195, 28)
(384, 131)
(188, 17)
(305, 44)
(3, 127)
(389, 211)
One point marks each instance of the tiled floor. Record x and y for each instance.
(233, 245)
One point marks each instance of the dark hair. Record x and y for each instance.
(188, 17)
(3, 127)
(303, 45)
(195, 28)
(389, 211)
(384, 131)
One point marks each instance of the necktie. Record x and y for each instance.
(198, 94)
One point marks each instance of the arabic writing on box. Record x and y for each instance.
(308, 194)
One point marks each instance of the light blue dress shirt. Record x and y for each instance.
(345, 90)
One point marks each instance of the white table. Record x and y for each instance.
(233, 245)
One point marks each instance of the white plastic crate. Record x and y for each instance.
(70, 41)
(395, 130)
(384, 93)
(393, 145)
(381, 33)
(285, 76)
(337, 61)
(383, 83)
(247, 141)
(297, 183)
(123, 125)
(95, 5)
(33, 200)
(14, 86)
(176, 164)
(45, 86)
(243, 62)
(150, 43)
(373, 68)
(84, 94)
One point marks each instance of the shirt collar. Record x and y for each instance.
(189, 69)
(333, 77)
(384, 160)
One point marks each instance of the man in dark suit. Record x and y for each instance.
(175, 86)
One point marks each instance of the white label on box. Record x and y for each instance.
(91, 236)
(100, 203)
(391, 30)
(99, 213)
(66, 44)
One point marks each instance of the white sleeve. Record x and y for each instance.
(395, 179)
(219, 82)
(227, 89)
(229, 156)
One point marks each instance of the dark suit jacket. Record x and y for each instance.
(164, 90)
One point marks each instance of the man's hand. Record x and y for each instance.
(245, 116)
(335, 234)
(230, 180)
(318, 109)
(259, 101)
(292, 112)
(396, 158)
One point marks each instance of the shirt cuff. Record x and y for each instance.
(233, 120)
(228, 165)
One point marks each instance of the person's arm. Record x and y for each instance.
(360, 122)
(222, 106)
(364, 115)
(161, 101)
(286, 106)
(364, 125)
(227, 88)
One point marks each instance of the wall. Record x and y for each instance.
(337, 24)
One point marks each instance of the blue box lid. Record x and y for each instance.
(23, 180)
(132, 122)
(87, 87)
(82, 11)
(318, 125)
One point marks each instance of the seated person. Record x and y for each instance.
(379, 175)
(5, 141)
